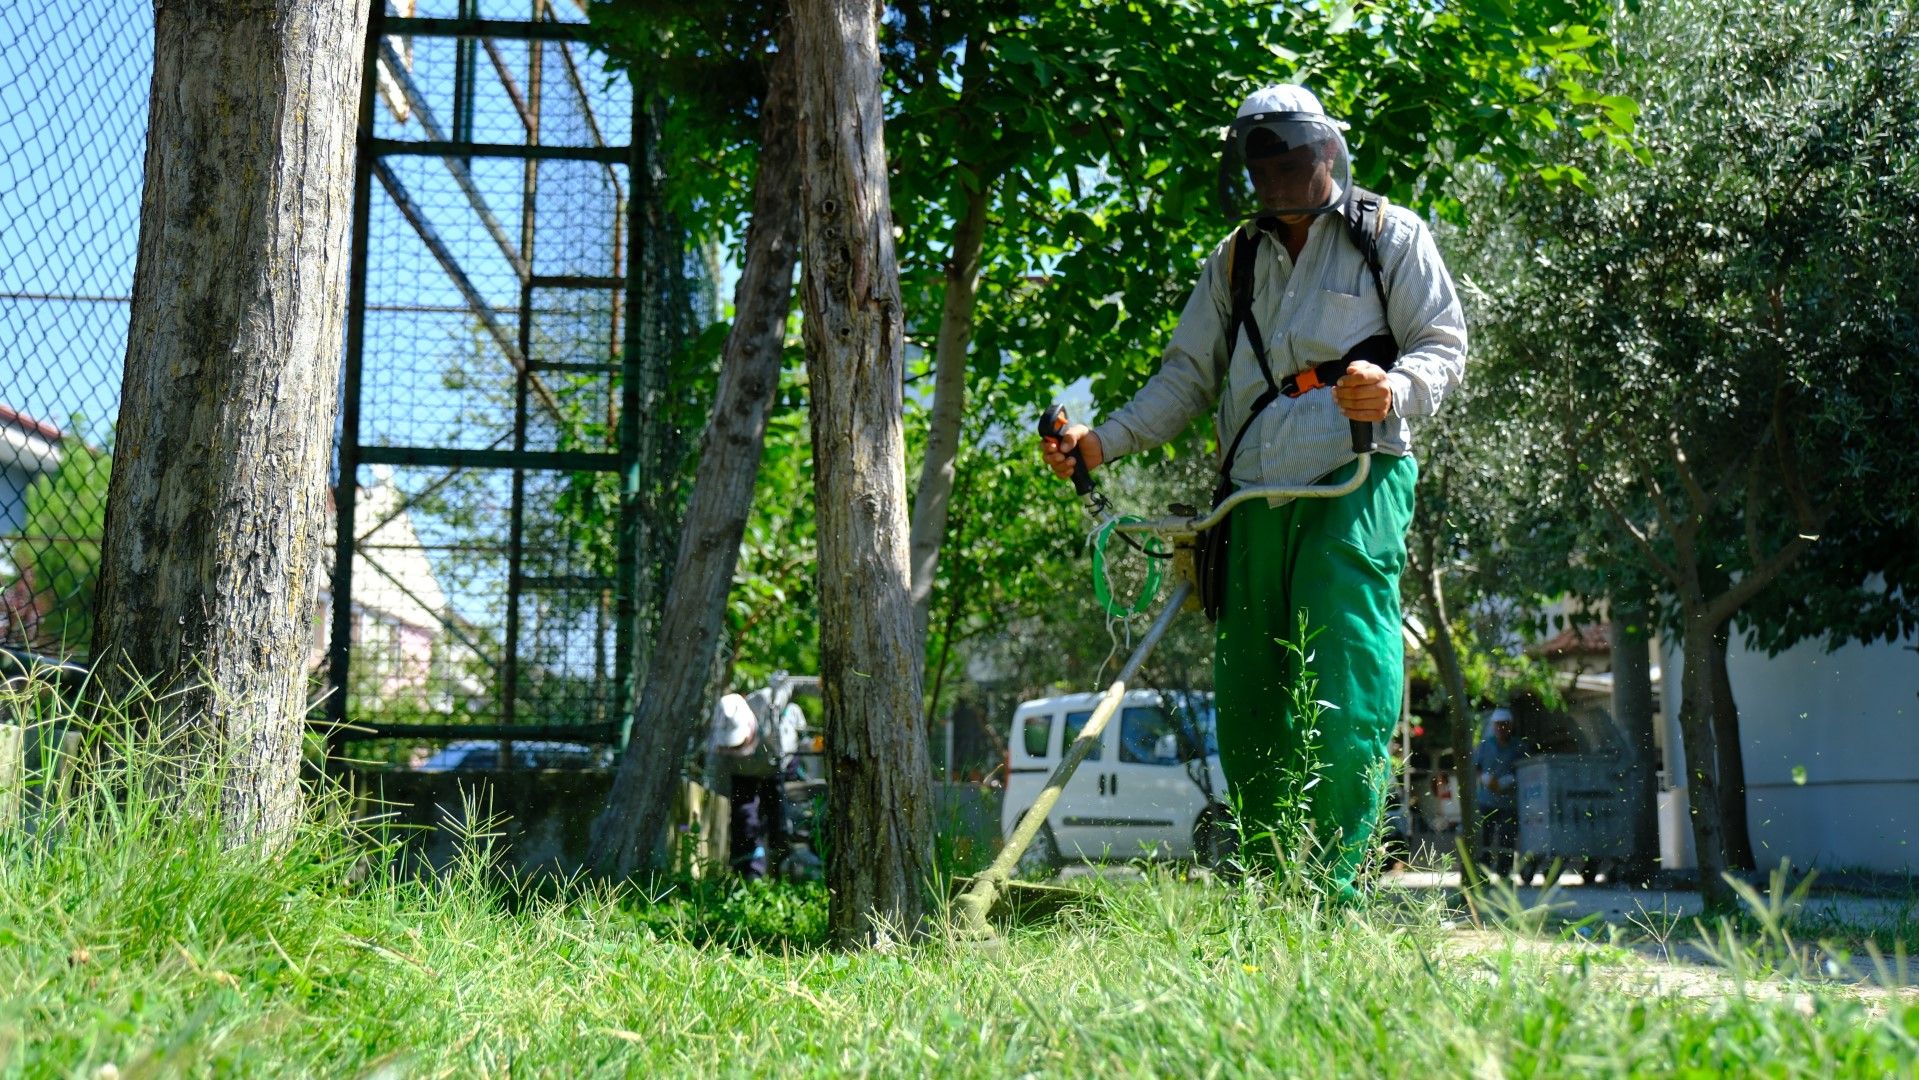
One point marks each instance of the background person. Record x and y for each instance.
(1497, 761)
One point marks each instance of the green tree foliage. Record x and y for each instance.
(1716, 343)
(59, 546)
(1103, 141)
(1092, 130)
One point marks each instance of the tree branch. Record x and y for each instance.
(1786, 451)
(1425, 642)
(1640, 539)
(1701, 504)
(1681, 538)
(1727, 604)
(1573, 441)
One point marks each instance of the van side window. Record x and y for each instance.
(1075, 723)
(1037, 733)
(1147, 736)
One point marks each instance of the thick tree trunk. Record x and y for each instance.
(934, 496)
(217, 506)
(1732, 755)
(1702, 761)
(674, 708)
(1632, 708)
(879, 777)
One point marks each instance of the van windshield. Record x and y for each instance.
(1192, 713)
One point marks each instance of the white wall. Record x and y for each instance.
(1850, 721)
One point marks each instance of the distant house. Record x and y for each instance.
(402, 651)
(29, 449)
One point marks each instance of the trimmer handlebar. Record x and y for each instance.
(1052, 423)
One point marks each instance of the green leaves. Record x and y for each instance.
(1687, 312)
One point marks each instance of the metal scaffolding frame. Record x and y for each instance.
(545, 378)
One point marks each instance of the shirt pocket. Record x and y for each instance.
(1332, 323)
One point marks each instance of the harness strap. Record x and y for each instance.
(1365, 221)
(1245, 253)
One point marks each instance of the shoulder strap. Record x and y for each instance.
(1365, 214)
(1240, 261)
(1239, 271)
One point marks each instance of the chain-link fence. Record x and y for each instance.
(73, 93)
(503, 531)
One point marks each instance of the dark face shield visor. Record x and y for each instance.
(1283, 163)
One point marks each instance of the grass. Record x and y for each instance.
(133, 943)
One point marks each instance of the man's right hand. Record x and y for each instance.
(1058, 451)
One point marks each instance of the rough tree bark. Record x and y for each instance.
(630, 834)
(1703, 795)
(1732, 754)
(216, 509)
(1632, 708)
(1708, 717)
(879, 777)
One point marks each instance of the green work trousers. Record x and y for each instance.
(1309, 791)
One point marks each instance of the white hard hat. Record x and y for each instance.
(1500, 715)
(1281, 99)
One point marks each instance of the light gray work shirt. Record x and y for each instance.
(1309, 312)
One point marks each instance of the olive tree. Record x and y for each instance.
(1715, 343)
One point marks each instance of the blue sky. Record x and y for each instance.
(74, 86)
(73, 105)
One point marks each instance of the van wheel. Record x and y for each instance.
(1215, 840)
(1040, 861)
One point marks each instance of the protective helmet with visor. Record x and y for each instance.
(1283, 156)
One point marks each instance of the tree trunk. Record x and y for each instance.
(1632, 709)
(216, 511)
(879, 799)
(1702, 761)
(1465, 735)
(1732, 756)
(934, 496)
(674, 707)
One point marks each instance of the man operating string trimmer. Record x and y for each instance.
(1323, 284)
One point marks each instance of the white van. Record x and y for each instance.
(1152, 787)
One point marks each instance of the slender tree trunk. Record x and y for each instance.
(879, 776)
(934, 496)
(1702, 760)
(674, 707)
(217, 505)
(1732, 756)
(1458, 710)
(932, 500)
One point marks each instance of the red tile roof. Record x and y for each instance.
(17, 419)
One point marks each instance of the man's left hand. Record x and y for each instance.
(1363, 392)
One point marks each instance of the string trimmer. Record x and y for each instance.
(993, 884)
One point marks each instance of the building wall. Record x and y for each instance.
(14, 481)
(1850, 721)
